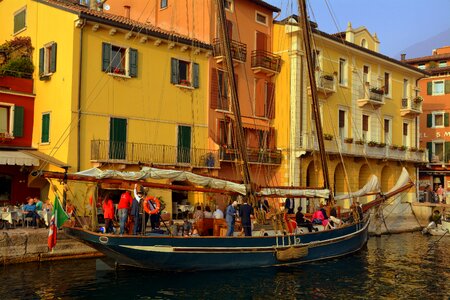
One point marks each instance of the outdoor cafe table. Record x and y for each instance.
(11, 216)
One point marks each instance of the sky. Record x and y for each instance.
(399, 24)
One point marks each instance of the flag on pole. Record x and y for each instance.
(58, 218)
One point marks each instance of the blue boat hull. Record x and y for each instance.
(219, 253)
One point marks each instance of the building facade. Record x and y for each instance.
(368, 109)
(434, 122)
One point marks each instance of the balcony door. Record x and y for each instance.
(261, 41)
(117, 138)
(184, 144)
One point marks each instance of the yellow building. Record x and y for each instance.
(369, 117)
(112, 92)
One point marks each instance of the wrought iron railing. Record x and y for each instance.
(238, 50)
(111, 151)
(263, 156)
(414, 104)
(267, 60)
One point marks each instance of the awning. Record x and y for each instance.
(252, 123)
(46, 158)
(17, 158)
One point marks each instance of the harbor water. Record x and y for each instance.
(402, 266)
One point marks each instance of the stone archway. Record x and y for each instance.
(387, 179)
(312, 175)
(363, 178)
(339, 183)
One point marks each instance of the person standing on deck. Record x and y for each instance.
(124, 206)
(289, 205)
(245, 212)
(231, 217)
(108, 213)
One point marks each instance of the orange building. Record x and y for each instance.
(434, 122)
(249, 24)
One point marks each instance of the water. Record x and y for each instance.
(392, 267)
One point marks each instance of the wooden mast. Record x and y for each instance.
(226, 48)
(306, 29)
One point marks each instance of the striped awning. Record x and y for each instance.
(17, 158)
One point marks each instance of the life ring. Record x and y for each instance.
(156, 205)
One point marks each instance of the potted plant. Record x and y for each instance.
(421, 150)
(359, 142)
(402, 148)
(348, 140)
(377, 90)
(412, 149)
(381, 145)
(328, 77)
(372, 144)
(418, 99)
(328, 136)
(393, 147)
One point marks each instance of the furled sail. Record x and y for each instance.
(175, 175)
(371, 186)
(310, 193)
(401, 182)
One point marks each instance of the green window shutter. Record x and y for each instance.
(19, 21)
(117, 138)
(447, 86)
(18, 121)
(45, 134)
(106, 57)
(430, 150)
(447, 151)
(446, 119)
(174, 74)
(429, 120)
(133, 62)
(195, 79)
(41, 61)
(53, 59)
(429, 88)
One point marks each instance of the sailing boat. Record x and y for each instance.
(167, 252)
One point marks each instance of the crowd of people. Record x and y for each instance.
(437, 195)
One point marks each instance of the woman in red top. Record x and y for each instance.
(108, 213)
(124, 206)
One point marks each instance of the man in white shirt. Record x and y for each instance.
(218, 214)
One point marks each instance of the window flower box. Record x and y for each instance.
(185, 82)
(328, 137)
(372, 144)
(413, 149)
(360, 142)
(328, 77)
(421, 150)
(118, 71)
(348, 140)
(402, 148)
(381, 145)
(393, 147)
(418, 99)
(378, 91)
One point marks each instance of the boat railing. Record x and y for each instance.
(130, 152)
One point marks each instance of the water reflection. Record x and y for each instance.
(396, 267)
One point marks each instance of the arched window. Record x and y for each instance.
(364, 43)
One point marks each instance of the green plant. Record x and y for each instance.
(327, 77)
(412, 149)
(21, 67)
(421, 150)
(360, 142)
(381, 145)
(328, 136)
(377, 90)
(372, 143)
(402, 148)
(418, 99)
(393, 147)
(348, 140)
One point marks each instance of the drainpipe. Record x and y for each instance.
(83, 23)
(417, 144)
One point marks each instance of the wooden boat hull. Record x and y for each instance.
(219, 253)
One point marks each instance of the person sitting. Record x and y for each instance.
(218, 214)
(38, 203)
(302, 221)
(29, 211)
(317, 217)
(207, 213)
(187, 228)
(198, 214)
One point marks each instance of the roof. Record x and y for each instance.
(123, 22)
(266, 5)
(428, 58)
(335, 37)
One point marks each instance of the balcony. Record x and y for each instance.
(265, 62)
(360, 149)
(370, 97)
(259, 156)
(238, 51)
(105, 151)
(325, 84)
(411, 107)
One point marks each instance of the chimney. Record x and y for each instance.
(127, 11)
(403, 56)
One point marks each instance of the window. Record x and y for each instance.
(365, 128)
(405, 88)
(228, 4)
(421, 66)
(387, 131)
(223, 102)
(224, 133)
(45, 132)
(364, 43)
(342, 124)
(261, 18)
(387, 83)
(438, 87)
(442, 64)
(20, 20)
(342, 71)
(119, 61)
(11, 120)
(163, 4)
(366, 78)
(438, 151)
(47, 60)
(405, 134)
(184, 73)
(437, 119)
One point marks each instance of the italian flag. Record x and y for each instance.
(58, 218)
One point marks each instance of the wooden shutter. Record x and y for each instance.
(18, 121)
(52, 68)
(106, 57)
(272, 138)
(386, 126)
(174, 71)
(447, 86)
(447, 152)
(41, 61)
(341, 118)
(430, 150)
(45, 133)
(365, 123)
(214, 89)
(117, 138)
(429, 88)
(429, 120)
(446, 119)
(259, 98)
(261, 41)
(133, 65)
(195, 73)
(270, 100)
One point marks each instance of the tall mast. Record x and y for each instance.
(312, 79)
(226, 48)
